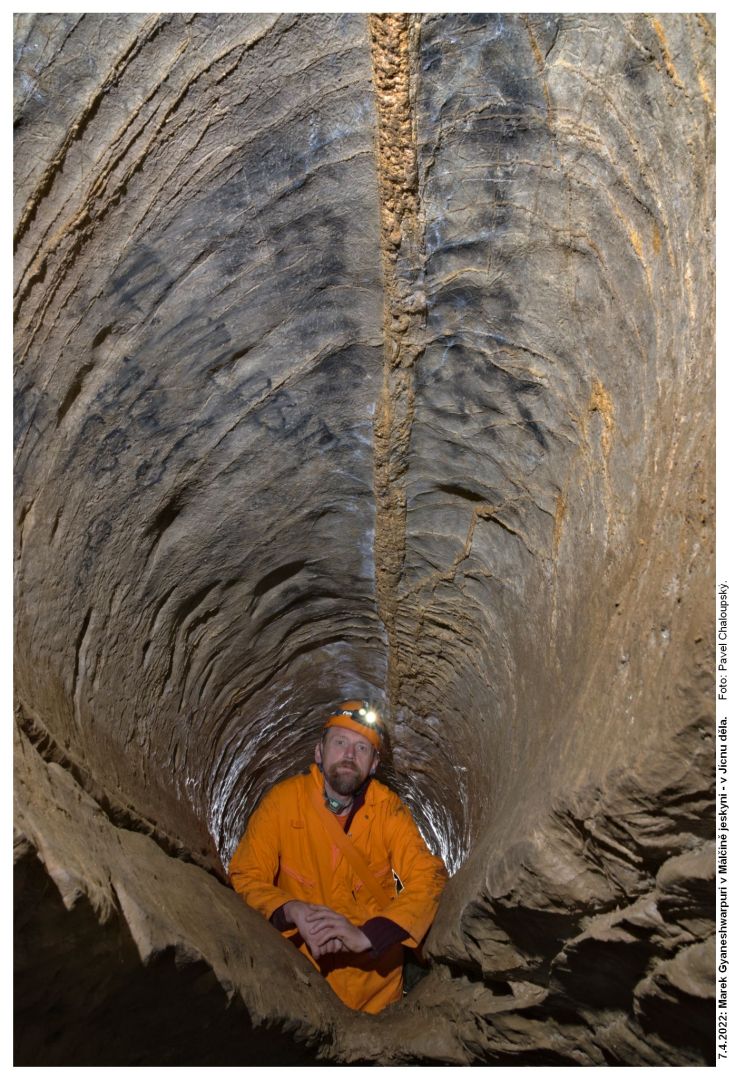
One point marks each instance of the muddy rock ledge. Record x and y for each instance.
(365, 355)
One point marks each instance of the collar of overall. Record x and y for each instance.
(335, 805)
(338, 807)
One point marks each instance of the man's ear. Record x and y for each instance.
(375, 763)
(317, 753)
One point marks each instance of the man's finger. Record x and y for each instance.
(326, 920)
(340, 928)
(334, 945)
(329, 917)
(320, 936)
(318, 914)
(326, 933)
(315, 919)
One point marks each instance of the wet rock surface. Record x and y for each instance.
(365, 357)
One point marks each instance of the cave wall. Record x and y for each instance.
(370, 356)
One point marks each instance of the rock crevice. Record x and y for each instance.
(392, 39)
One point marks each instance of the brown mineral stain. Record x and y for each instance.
(663, 41)
(637, 243)
(657, 242)
(533, 42)
(707, 26)
(706, 92)
(601, 402)
(392, 36)
(559, 512)
(539, 60)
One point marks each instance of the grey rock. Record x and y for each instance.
(365, 356)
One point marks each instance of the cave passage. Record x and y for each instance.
(365, 356)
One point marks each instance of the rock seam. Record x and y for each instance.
(393, 40)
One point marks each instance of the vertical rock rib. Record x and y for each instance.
(393, 37)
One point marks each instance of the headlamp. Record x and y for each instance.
(361, 713)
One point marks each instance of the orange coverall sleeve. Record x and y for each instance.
(422, 874)
(255, 864)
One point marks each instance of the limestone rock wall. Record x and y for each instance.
(366, 355)
(195, 460)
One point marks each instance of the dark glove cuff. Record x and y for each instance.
(279, 921)
(383, 933)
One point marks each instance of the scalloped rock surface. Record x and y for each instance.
(365, 356)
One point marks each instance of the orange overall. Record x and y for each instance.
(285, 855)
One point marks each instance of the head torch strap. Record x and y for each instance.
(371, 732)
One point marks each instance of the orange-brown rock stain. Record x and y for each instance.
(667, 60)
(392, 37)
(601, 403)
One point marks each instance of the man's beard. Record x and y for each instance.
(345, 781)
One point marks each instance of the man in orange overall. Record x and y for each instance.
(319, 859)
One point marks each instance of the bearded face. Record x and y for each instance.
(345, 778)
(346, 760)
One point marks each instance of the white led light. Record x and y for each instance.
(371, 717)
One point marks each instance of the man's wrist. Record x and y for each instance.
(281, 918)
(289, 909)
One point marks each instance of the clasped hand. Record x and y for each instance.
(325, 931)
